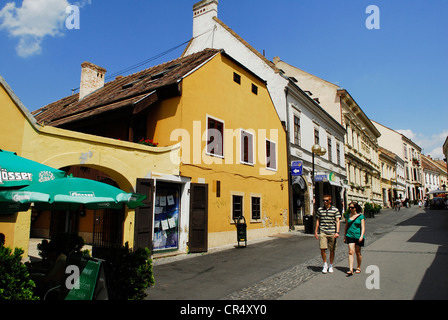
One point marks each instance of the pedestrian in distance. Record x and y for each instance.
(397, 204)
(327, 231)
(355, 229)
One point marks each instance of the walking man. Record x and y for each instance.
(327, 231)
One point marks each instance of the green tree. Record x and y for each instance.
(128, 273)
(15, 282)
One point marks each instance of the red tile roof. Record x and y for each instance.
(137, 90)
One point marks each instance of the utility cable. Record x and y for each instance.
(139, 64)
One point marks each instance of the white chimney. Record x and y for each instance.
(92, 78)
(203, 13)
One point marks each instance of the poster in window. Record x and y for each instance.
(166, 218)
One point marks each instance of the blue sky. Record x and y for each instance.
(398, 73)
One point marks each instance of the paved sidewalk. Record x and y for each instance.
(410, 263)
(267, 270)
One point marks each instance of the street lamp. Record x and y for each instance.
(320, 151)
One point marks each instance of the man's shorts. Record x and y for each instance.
(327, 241)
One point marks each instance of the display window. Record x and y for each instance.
(166, 217)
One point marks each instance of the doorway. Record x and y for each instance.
(198, 233)
(166, 216)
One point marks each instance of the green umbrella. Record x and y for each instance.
(69, 193)
(11, 207)
(15, 200)
(16, 171)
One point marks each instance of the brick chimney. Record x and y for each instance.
(92, 79)
(203, 13)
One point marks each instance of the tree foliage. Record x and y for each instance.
(15, 282)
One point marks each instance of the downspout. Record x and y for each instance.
(288, 153)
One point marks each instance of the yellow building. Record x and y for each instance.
(388, 169)
(61, 148)
(233, 145)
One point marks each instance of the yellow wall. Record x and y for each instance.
(11, 137)
(123, 161)
(13, 121)
(211, 91)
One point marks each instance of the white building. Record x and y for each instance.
(361, 145)
(400, 186)
(433, 174)
(305, 121)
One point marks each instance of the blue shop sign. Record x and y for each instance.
(320, 177)
(296, 168)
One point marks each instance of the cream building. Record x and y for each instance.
(410, 152)
(392, 177)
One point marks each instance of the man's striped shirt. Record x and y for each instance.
(327, 219)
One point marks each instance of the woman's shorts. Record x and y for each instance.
(355, 241)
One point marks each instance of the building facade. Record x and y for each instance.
(360, 140)
(231, 163)
(59, 148)
(410, 152)
(393, 183)
(445, 150)
(434, 174)
(306, 122)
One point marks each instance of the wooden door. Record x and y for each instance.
(198, 218)
(144, 215)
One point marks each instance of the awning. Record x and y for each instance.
(300, 181)
(335, 183)
(437, 191)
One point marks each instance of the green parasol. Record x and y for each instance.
(69, 193)
(17, 171)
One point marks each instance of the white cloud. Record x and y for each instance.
(407, 132)
(33, 21)
(431, 145)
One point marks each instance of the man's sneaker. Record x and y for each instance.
(325, 268)
(330, 269)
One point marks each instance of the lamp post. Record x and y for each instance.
(320, 151)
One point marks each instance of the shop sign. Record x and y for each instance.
(320, 178)
(296, 168)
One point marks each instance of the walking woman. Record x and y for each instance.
(355, 228)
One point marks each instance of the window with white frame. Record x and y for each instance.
(296, 130)
(215, 137)
(237, 205)
(338, 152)
(316, 135)
(255, 207)
(247, 147)
(271, 155)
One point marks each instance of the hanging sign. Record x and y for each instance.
(296, 168)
